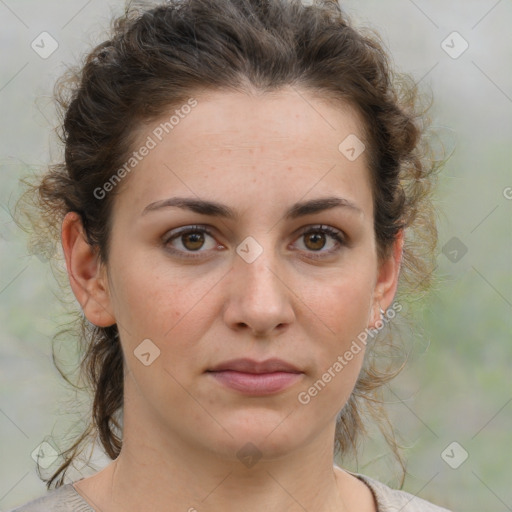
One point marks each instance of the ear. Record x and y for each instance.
(87, 275)
(387, 279)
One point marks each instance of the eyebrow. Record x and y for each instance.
(215, 209)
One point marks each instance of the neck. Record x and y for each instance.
(190, 480)
(170, 471)
(163, 473)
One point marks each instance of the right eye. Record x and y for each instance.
(189, 239)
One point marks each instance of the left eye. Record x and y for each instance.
(193, 239)
(315, 238)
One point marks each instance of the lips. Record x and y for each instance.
(251, 366)
(256, 378)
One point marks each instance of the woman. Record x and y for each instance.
(242, 186)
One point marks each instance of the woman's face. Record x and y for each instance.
(240, 268)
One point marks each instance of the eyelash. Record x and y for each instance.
(334, 233)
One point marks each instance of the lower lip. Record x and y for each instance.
(256, 383)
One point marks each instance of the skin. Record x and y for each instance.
(258, 154)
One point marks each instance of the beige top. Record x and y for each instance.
(67, 499)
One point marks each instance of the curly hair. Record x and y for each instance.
(158, 55)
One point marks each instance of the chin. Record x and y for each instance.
(268, 434)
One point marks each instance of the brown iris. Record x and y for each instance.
(317, 239)
(193, 241)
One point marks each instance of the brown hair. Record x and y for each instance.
(156, 57)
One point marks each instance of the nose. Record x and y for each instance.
(259, 299)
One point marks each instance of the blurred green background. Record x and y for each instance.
(457, 386)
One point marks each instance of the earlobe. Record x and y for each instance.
(387, 279)
(86, 273)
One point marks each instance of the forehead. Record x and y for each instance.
(257, 116)
(288, 139)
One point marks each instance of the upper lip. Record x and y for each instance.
(251, 366)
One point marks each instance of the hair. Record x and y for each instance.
(157, 56)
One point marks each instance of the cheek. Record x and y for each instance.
(338, 353)
(166, 306)
(142, 292)
(343, 305)
(343, 309)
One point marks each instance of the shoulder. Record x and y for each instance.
(392, 500)
(63, 499)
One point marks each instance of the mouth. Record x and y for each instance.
(256, 378)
